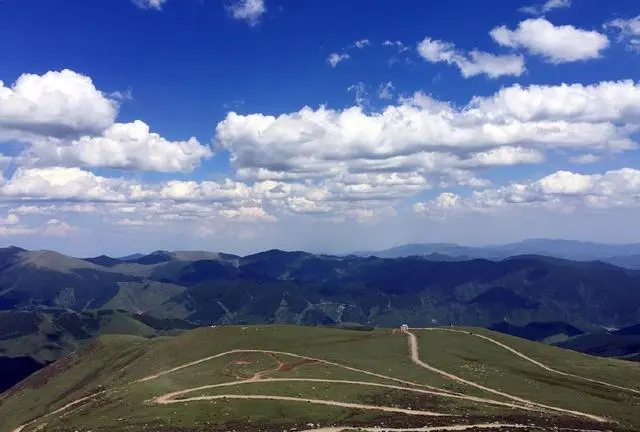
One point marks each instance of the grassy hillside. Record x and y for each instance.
(31, 339)
(284, 377)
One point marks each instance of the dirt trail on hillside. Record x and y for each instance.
(313, 359)
(424, 429)
(535, 362)
(171, 397)
(415, 357)
(313, 401)
(59, 410)
(490, 426)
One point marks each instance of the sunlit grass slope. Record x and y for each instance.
(314, 376)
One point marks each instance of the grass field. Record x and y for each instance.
(310, 378)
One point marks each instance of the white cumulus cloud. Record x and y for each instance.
(248, 214)
(335, 58)
(545, 7)
(129, 146)
(149, 4)
(399, 45)
(563, 191)
(66, 121)
(605, 101)
(59, 183)
(250, 11)
(557, 44)
(58, 103)
(628, 31)
(515, 125)
(472, 63)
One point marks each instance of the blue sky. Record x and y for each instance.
(471, 122)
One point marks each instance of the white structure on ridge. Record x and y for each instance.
(404, 327)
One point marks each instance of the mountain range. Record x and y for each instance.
(51, 303)
(303, 288)
(298, 287)
(624, 255)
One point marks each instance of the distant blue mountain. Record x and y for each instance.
(623, 255)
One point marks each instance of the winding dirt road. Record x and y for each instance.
(415, 357)
(59, 410)
(426, 428)
(314, 359)
(173, 396)
(313, 401)
(535, 362)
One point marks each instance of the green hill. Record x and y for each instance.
(311, 378)
(30, 339)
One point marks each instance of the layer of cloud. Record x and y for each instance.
(545, 7)
(628, 31)
(472, 63)
(58, 104)
(12, 225)
(250, 11)
(192, 210)
(562, 191)
(58, 190)
(557, 44)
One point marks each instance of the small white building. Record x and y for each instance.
(404, 327)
